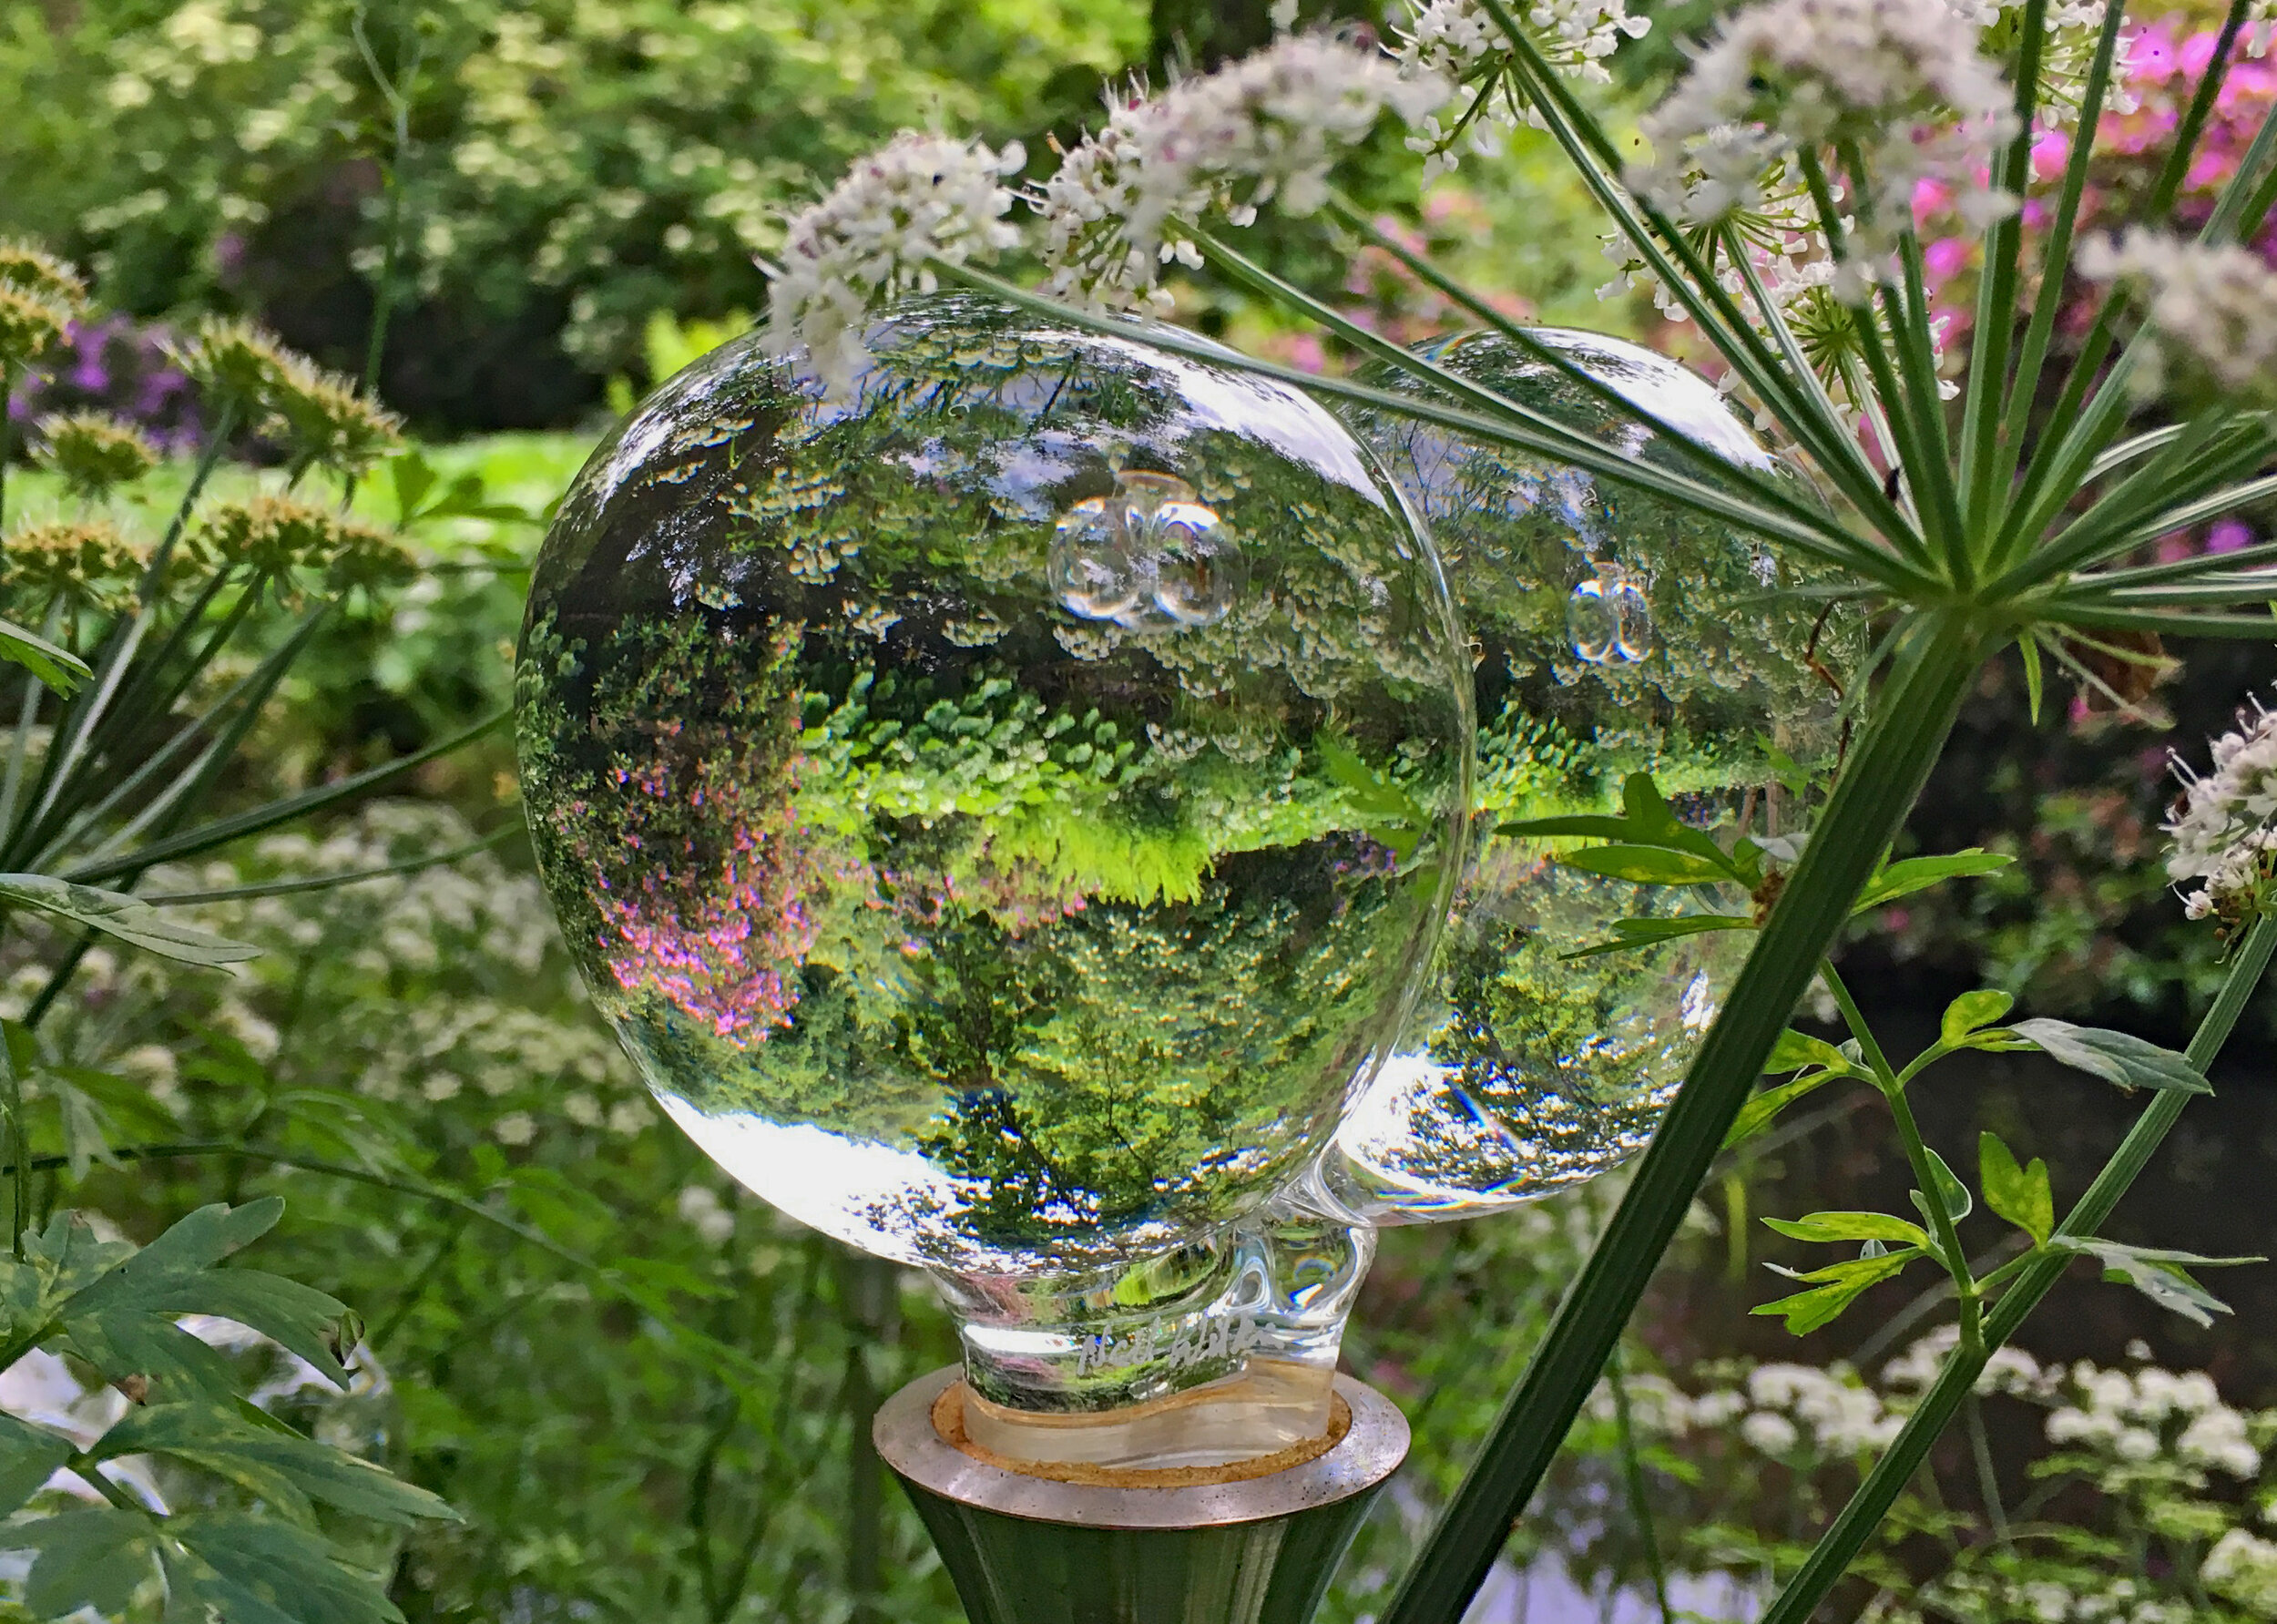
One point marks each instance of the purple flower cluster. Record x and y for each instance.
(118, 365)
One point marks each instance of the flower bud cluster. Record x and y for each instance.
(40, 298)
(276, 538)
(919, 198)
(1460, 42)
(1895, 87)
(320, 415)
(2213, 308)
(1264, 128)
(2225, 825)
(94, 453)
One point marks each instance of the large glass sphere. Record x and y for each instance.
(1612, 633)
(999, 811)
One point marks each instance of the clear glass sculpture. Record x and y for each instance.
(1003, 812)
(1611, 633)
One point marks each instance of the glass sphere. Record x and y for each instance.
(1000, 812)
(1611, 633)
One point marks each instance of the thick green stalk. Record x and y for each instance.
(1914, 713)
(1841, 1542)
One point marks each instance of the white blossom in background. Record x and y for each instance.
(2213, 307)
(2224, 827)
(2243, 1567)
(916, 199)
(1458, 42)
(1895, 78)
(700, 1207)
(1264, 129)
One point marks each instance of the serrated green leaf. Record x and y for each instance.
(2022, 1195)
(1647, 865)
(2161, 1275)
(123, 1322)
(1647, 821)
(89, 1556)
(1970, 1011)
(1806, 1311)
(225, 1440)
(1646, 933)
(1850, 1226)
(1763, 1109)
(29, 1456)
(128, 918)
(1794, 1050)
(59, 668)
(1918, 873)
(249, 1570)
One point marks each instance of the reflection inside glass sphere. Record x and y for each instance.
(1000, 813)
(1613, 634)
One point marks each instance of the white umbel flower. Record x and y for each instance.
(2224, 827)
(1266, 128)
(1458, 42)
(2217, 306)
(919, 196)
(1896, 80)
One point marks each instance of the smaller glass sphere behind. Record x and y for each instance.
(1612, 633)
(1001, 812)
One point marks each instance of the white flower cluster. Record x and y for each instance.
(917, 199)
(1266, 127)
(2243, 1567)
(2217, 305)
(1457, 42)
(700, 1207)
(2224, 827)
(1896, 80)
(2127, 1418)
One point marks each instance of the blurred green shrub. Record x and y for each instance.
(566, 168)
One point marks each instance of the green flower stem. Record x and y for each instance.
(7, 432)
(1893, 1086)
(1915, 711)
(1633, 1481)
(1841, 1542)
(19, 1151)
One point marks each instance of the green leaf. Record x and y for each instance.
(129, 918)
(91, 1557)
(228, 1440)
(1844, 1283)
(59, 668)
(1966, 1013)
(1894, 880)
(2160, 1275)
(1951, 1194)
(2029, 646)
(256, 1571)
(1760, 1112)
(1644, 933)
(1794, 1050)
(1648, 865)
(2115, 1057)
(2022, 1195)
(1370, 794)
(123, 1322)
(412, 476)
(1851, 1226)
(29, 1456)
(1647, 822)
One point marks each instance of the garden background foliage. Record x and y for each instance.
(644, 1394)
